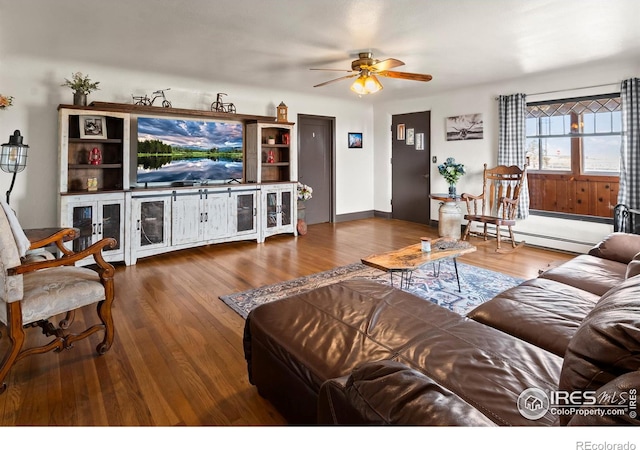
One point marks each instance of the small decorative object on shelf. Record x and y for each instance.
(304, 193)
(271, 157)
(285, 138)
(219, 106)
(271, 140)
(92, 184)
(5, 101)
(95, 156)
(81, 85)
(282, 112)
(144, 100)
(451, 171)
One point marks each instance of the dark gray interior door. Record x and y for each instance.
(410, 155)
(315, 156)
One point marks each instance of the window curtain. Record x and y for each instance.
(629, 192)
(512, 141)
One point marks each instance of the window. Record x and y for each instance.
(581, 136)
(573, 155)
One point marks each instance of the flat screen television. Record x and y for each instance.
(179, 150)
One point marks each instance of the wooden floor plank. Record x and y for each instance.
(177, 358)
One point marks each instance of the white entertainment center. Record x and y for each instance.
(148, 220)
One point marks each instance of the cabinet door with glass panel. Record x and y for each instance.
(151, 225)
(95, 217)
(243, 212)
(278, 209)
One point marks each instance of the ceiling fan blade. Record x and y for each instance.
(336, 70)
(386, 64)
(405, 75)
(337, 79)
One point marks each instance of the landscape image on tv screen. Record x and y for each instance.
(175, 150)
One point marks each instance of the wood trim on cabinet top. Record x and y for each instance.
(158, 110)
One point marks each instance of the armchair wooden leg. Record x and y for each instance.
(498, 237)
(485, 232)
(104, 312)
(16, 336)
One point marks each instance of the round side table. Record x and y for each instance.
(450, 215)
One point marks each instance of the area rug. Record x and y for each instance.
(477, 286)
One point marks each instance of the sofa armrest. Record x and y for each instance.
(389, 392)
(618, 393)
(621, 247)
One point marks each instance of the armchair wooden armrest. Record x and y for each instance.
(58, 237)
(70, 258)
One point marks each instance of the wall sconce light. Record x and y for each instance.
(13, 158)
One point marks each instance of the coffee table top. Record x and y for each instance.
(412, 257)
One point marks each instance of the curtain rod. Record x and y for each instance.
(617, 85)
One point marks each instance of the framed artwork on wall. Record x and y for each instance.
(400, 132)
(465, 127)
(410, 136)
(419, 141)
(93, 127)
(355, 140)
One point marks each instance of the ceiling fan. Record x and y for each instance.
(366, 68)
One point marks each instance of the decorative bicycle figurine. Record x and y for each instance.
(146, 101)
(219, 106)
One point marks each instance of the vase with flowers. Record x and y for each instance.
(5, 101)
(81, 85)
(304, 193)
(451, 171)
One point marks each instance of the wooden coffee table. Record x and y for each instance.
(407, 259)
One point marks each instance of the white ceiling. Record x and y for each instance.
(274, 43)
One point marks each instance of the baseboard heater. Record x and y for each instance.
(540, 236)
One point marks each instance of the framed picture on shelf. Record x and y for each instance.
(355, 140)
(93, 127)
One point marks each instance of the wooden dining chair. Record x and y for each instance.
(497, 204)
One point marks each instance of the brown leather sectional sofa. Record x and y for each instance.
(359, 352)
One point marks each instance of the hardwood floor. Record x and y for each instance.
(177, 357)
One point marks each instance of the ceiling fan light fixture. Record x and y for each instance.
(358, 86)
(366, 84)
(372, 85)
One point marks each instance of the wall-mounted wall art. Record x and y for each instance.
(465, 127)
(410, 136)
(400, 132)
(419, 141)
(355, 140)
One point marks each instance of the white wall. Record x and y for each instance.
(35, 84)
(587, 80)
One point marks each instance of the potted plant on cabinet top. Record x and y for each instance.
(81, 85)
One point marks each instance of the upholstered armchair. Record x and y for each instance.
(33, 293)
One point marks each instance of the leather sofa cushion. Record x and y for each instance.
(590, 273)
(330, 331)
(633, 268)
(522, 310)
(607, 343)
(620, 247)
